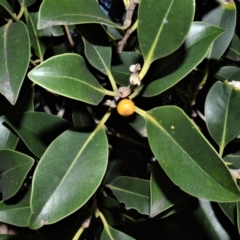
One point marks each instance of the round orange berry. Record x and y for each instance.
(126, 107)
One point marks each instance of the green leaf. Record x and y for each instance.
(186, 156)
(238, 216)
(36, 129)
(14, 56)
(223, 16)
(210, 222)
(68, 76)
(164, 194)
(234, 159)
(168, 71)
(26, 3)
(38, 46)
(67, 175)
(138, 123)
(133, 192)
(115, 169)
(110, 233)
(233, 51)
(14, 167)
(69, 12)
(222, 113)
(228, 73)
(97, 50)
(81, 116)
(16, 214)
(159, 23)
(6, 6)
(111, 210)
(120, 66)
(230, 211)
(8, 139)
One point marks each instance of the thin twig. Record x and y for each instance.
(122, 43)
(71, 42)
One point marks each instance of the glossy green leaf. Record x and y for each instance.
(168, 71)
(26, 3)
(38, 46)
(14, 167)
(233, 51)
(222, 113)
(111, 210)
(115, 168)
(6, 6)
(16, 214)
(69, 12)
(186, 156)
(210, 222)
(223, 16)
(238, 216)
(36, 129)
(228, 73)
(158, 24)
(81, 116)
(120, 66)
(110, 233)
(133, 192)
(97, 50)
(164, 194)
(138, 123)
(68, 75)
(14, 51)
(66, 175)
(234, 159)
(230, 211)
(9, 139)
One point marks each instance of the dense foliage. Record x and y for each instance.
(120, 119)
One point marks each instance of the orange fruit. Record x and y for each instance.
(126, 107)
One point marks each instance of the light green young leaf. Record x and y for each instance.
(36, 129)
(14, 167)
(158, 24)
(16, 214)
(14, 58)
(186, 156)
(67, 175)
(133, 192)
(69, 12)
(223, 16)
(166, 72)
(222, 113)
(68, 76)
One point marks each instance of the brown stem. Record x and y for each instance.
(124, 40)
